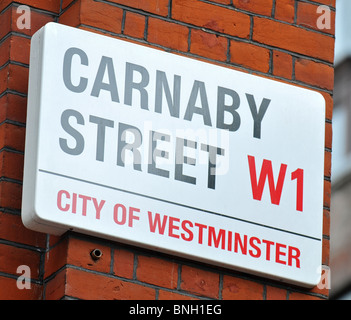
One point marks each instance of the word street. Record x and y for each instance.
(197, 105)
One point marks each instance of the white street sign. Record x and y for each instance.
(157, 150)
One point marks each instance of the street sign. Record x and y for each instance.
(157, 150)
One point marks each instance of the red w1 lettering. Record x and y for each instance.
(275, 189)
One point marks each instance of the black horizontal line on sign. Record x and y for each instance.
(178, 204)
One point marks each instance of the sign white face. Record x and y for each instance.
(157, 150)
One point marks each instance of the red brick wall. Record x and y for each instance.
(278, 39)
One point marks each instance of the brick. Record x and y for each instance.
(13, 107)
(241, 289)
(273, 293)
(12, 257)
(328, 135)
(9, 21)
(222, 1)
(159, 272)
(17, 78)
(12, 136)
(55, 288)
(66, 3)
(302, 296)
(159, 7)
(170, 295)
(282, 64)
(201, 282)
(56, 258)
(53, 240)
(38, 19)
(327, 194)
(4, 78)
(96, 14)
(249, 56)
(10, 195)
(134, 25)
(325, 251)
(104, 33)
(91, 286)
(101, 15)
(326, 223)
(293, 38)
(12, 229)
(263, 7)
(19, 49)
(71, 17)
(13, 293)
(212, 17)
(123, 263)
(78, 254)
(327, 2)
(327, 164)
(308, 16)
(11, 165)
(168, 34)
(5, 51)
(314, 73)
(5, 22)
(208, 45)
(285, 10)
(49, 5)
